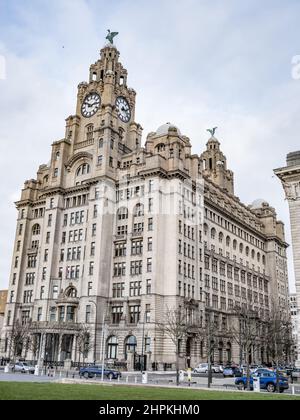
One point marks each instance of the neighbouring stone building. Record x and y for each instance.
(3, 299)
(111, 233)
(294, 321)
(290, 178)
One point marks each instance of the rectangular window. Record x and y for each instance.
(135, 288)
(148, 314)
(119, 269)
(55, 292)
(49, 220)
(70, 313)
(25, 317)
(88, 314)
(149, 265)
(150, 224)
(150, 244)
(42, 291)
(117, 313)
(100, 160)
(90, 288)
(20, 229)
(61, 313)
(39, 314)
(134, 314)
(94, 229)
(48, 238)
(148, 287)
(93, 247)
(136, 268)
(46, 255)
(137, 247)
(52, 314)
(118, 290)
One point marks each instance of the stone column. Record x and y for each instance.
(290, 178)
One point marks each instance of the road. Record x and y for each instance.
(154, 378)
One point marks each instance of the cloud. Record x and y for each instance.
(195, 63)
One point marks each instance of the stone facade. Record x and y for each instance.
(290, 178)
(3, 299)
(111, 233)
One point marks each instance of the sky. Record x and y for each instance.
(195, 63)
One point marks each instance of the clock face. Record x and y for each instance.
(91, 105)
(123, 109)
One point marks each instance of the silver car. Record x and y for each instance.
(23, 367)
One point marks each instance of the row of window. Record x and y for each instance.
(135, 289)
(136, 247)
(136, 268)
(233, 228)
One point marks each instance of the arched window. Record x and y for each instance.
(258, 257)
(46, 179)
(253, 254)
(36, 230)
(112, 348)
(83, 169)
(160, 147)
(264, 260)
(241, 248)
(130, 345)
(228, 241)
(138, 210)
(247, 251)
(57, 155)
(122, 213)
(213, 233)
(71, 292)
(235, 244)
(221, 237)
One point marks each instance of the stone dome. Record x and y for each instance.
(164, 129)
(258, 204)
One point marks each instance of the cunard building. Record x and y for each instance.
(111, 233)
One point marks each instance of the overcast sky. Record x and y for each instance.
(196, 63)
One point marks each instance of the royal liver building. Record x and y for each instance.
(112, 233)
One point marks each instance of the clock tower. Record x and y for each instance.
(104, 124)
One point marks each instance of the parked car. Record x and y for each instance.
(92, 371)
(232, 372)
(268, 381)
(203, 368)
(295, 373)
(22, 367)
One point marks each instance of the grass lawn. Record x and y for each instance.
(38, 391)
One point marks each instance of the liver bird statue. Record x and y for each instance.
(111, 35)
(212, 131)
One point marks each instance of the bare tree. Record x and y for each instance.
(175, 327)
(279, 337)
(84, 344)
(246, 330)
(18, 337)
(207, 330)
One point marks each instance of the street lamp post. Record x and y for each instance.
(104, 332)
(95, 341)
(143, 343)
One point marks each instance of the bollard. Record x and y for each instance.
(293, 390)
(60, 374)
(118, 378)
(127, 379)
(135, 380)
